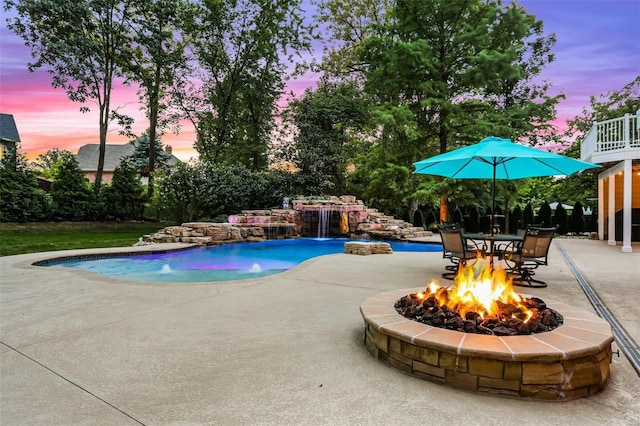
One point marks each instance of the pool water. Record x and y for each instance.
(222, 263)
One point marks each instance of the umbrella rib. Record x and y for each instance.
(560, 172)
(453, 175)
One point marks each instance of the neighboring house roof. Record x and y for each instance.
(87, 156)
(8, 129)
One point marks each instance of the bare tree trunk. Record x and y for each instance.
(444, 210)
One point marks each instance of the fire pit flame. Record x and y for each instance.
(478, 288)
(483, 301)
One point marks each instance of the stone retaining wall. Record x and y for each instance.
(259, 225)
(204, 233)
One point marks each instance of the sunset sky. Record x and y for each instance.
(597, 50)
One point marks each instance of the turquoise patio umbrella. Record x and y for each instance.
(498, 158)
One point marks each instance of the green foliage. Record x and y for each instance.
(544, 214)
(201, 190)
(579, 187)
(516, 220)
(21, 199)
(327, 120)
(576, 223)
(124, 198)
(139, 158)
(527, 215)
(347, 25)
(444, 74)
(47, 164)
(242, 49)
(71, 194)
(561, 220)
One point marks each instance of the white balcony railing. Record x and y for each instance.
(611, 136)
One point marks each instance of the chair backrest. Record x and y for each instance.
(452, 240)
(520, 231)
(537, 241)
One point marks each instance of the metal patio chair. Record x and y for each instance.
(454, 248)
(532, 253)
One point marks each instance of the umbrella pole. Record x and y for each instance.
(493, 201)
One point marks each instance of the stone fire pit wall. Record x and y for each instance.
(569, 362)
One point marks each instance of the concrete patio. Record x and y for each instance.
(79, 349)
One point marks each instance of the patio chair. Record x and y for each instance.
(532, 253)
(454, 249)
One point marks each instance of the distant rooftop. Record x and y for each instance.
(8, 129)
(87, 156)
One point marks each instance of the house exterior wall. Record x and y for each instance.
(107, 177)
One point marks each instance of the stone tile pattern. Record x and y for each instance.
(569, 362)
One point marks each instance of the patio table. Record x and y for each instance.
(505, 241)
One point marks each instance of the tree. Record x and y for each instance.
(241, 50)
(544, 214)
(561, 219)
(47, 164)
(80, 43)
(71, 194)
(327, 120)
(123, 199)
(157, 55)
(21, 198)
(141, 155)
(445, 66)
(576, 223)
(348, 25)
(527, 215)
(516, 220)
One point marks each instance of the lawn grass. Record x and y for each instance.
(19, 238)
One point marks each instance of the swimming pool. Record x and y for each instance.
(236, 261)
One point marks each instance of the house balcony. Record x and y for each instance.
(612, 140)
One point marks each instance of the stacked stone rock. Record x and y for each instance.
(258, 225)
(367, 248)
(204, 233)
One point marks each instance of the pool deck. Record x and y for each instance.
(287, 349)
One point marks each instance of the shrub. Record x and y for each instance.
(577, 219)
(544, 214)
(124, 198)
(560, 219)
(527, 215)
(197, 191)
(71, 195)
(21, 199)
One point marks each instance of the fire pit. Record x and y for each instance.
(565, 360)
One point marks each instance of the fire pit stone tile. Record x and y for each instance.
(597, 326)
(478, 345)
(402, 330)
(376, 310)
(569, 362)
(572, 345)
(527, 348)
(439, 339)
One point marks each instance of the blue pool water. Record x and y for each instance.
(221, 263)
